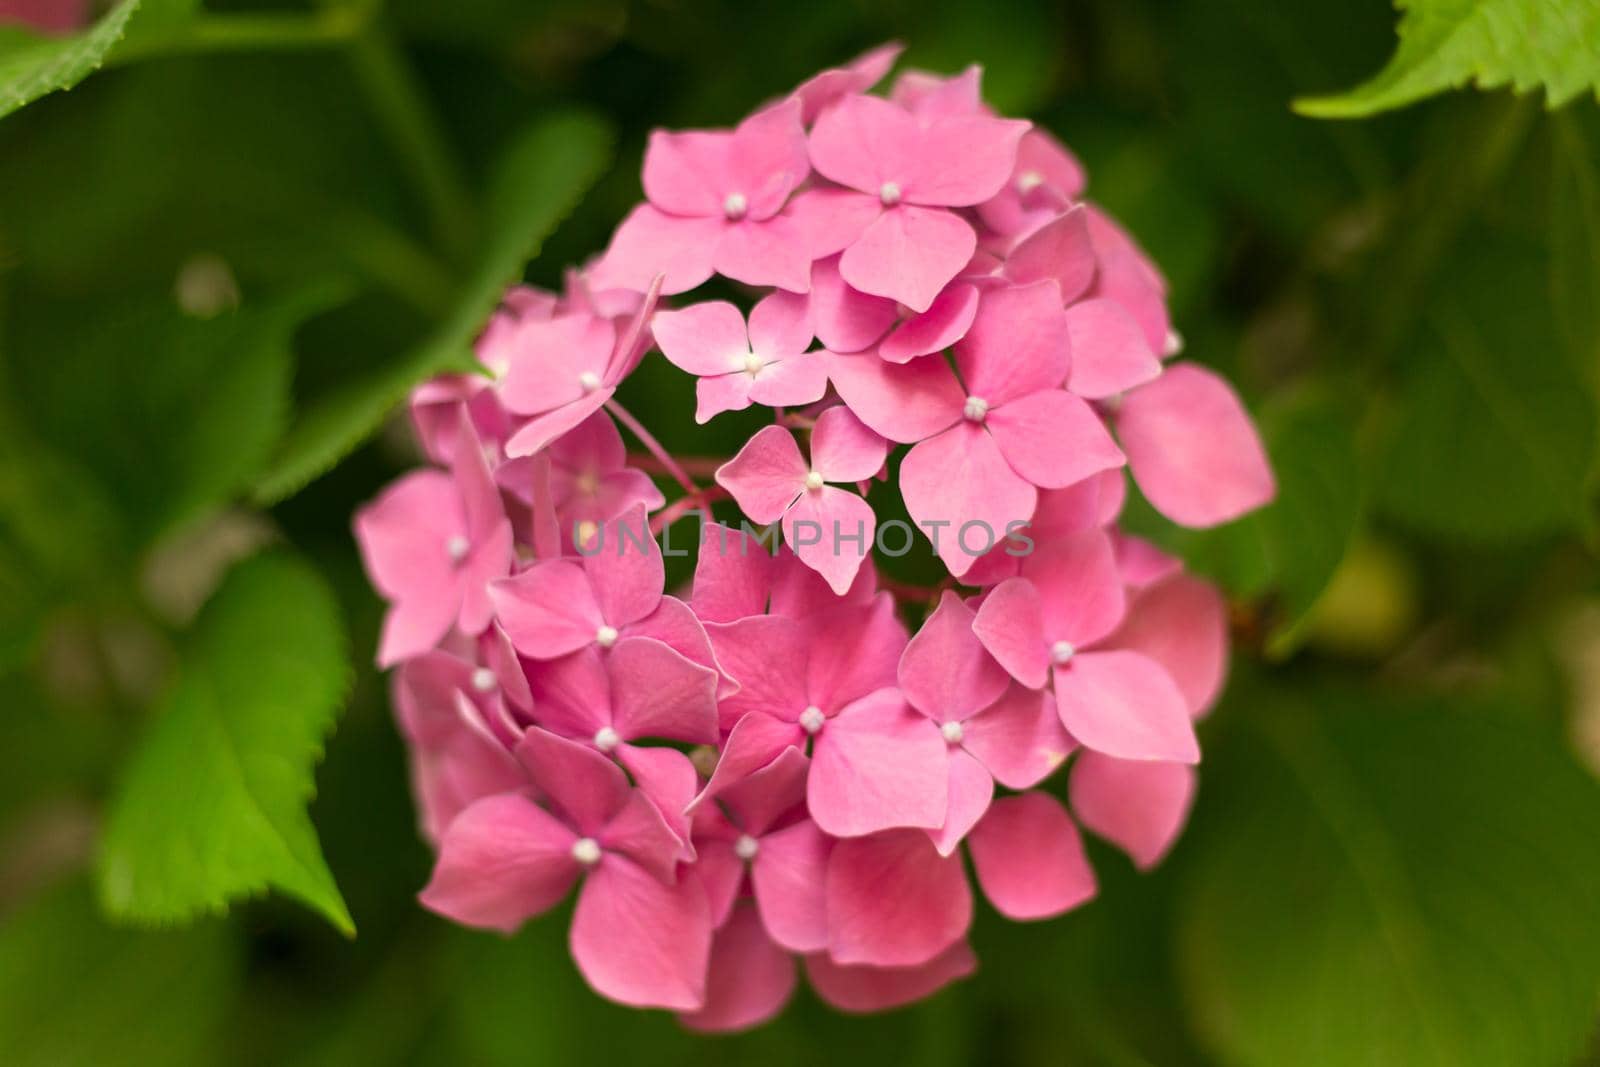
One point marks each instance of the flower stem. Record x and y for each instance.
(684, 505)
(644, 436)
(697, 466)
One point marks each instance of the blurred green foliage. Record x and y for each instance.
(224, 257)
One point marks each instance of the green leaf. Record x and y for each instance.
(1444, 44)
(213, 802)
(538, 181)
(1387, 883)
(32, 65)
(73, 991)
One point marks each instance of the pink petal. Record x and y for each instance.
(775, 251)
(1127, 276)
(945, 672)
(572, 695)
(640, 942)
(1030, 859)
(942, 325)
(1182, 624)
(719, 869)
(586, 787)
(414, 626)
(1060, 251)
(959, 487)
(757, 803)
(766, 475)
(721, 392)
(488, 561)
(864, 141)
(1124, 705)
(860, 74)
(548, 610)
(832, 531)
(1080, 587)
(1010, 624)
(731, 577)
(675, 625)
(971, 790)
(843, 449)
(550, 360)
(909, 254)
(651, 242)
(640, 832)
(538, 433)
(1053, 439)
(855, 650)
(500, 656)
(875, 989)
(1138, 805)
(1142, 563)
(788, 875)
(657, 693)
(877, 765)
(688, 173)
(750, 978)
(1020, 739)
(767, 158)
(1109, 352)
(767, 655)
(963, 160)
(830, 218)
(903, 403)
(405, 533)
(1018, 344)
(779, 325)
(1193, 449)
(501, 861)
(893, 901)
(706, 338)
(754, 743)
(931, 95)
(792, 382)
(846, 320)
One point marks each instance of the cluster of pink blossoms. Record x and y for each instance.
(770, 772)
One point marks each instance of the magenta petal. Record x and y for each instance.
(1010, 624)
(658, 693)
(651, 242)
(909, 254)
(703, 339)
(942, 325)
(1138, 805)
(843, 449)
(501, 861)
(971, 790)
(1020, 739)
(877, 765)
(893, 901)
(945, 671)
(874, 989)
(1060, 251)
(766, 475)
(1193, 448)
(1182, 624)
(831, 530)
(584, 785)
(844, 319)
(1030, 859)
(640, 942)
(548, 610)
(1109, 352)
(1124, 705)
(750, 977)
(958, 485)
(903, 403)
(788, 875)
(1053, 439)
(1018, 344)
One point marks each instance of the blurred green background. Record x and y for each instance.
(225, 256)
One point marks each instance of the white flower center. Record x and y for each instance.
(753, 364)
(483, 680)
(889, 193)
(811, 719)
(1029, 180)
(457, 548)
(735, 206)
(586, 850)
(952, 732)
(746, 847)
(589, 381)
(814, 480)
(1061, 652)
(606, 739)
(976, 408)
(606, 636)
(1174, 343)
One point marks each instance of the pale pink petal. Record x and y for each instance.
(844, 319)
(779, 325)
(963, 160)
(1030, 859)
(706, 338)
(550, 360)
(1053, 439)
(793, 382)
(865, 141)
(767, 158)
(903, 403)
(909, 254)
(843, 449)
(750, 978)
(776, 251)
(405, 535)
(874, 989)
(1193, 449)
(501, 861)
(1018, 344)
(933, 95)
(942, 325)
(640, 942)
(971, 790)
(823, 90)
(1080, 587)
(688, 173)
(945, 672)
(413, 626)
(877, 765)
(1125, 274)
(830, 218)
(832, 531)
(1182, 624)
(548, 610)
(1060, 251)
(721, 392)
(958, 485)
(732, 575)
(582, 784)
(539, 432)
(650, 242)
(1109, 352)
(1124, 705)
(1142, 563)
(1138, 805)
(788, 875)
(1019, 739)
(657, 693)
(766, 476)
(893, 901)
(1010, 624)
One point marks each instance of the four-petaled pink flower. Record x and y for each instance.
(766, 364)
